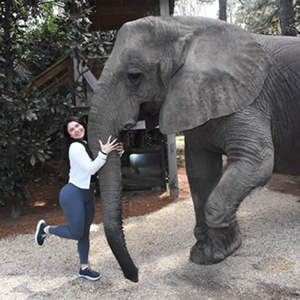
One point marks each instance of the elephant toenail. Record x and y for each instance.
(218, 255)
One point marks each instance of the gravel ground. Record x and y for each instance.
(267, 266)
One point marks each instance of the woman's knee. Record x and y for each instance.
(77, 234)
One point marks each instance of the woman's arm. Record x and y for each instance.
(78, 154)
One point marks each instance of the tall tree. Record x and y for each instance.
(223, 10)
(13, 16)
(192, 7)
(266, 16)
(259, 16)
(286, 16)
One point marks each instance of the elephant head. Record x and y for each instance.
(186, 70)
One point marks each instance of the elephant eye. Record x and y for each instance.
(134, 76)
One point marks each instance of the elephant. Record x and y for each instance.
(230, 92)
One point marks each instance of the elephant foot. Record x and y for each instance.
(219, 244)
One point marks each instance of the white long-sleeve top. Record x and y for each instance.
(82, 166)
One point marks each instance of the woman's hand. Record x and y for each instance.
(120, 149)
(109, 146)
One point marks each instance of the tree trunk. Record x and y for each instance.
(7, 41)
(223, 10)
(286, 16)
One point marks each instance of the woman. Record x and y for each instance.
(77, 197)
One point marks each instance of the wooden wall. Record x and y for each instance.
(112, 14)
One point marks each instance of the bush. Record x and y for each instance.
(30, 126)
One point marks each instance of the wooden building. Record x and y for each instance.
(112, 14)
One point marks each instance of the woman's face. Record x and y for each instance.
(75, 130)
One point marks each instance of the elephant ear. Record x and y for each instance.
(223, 72)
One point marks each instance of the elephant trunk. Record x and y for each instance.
(110, 180)
(110, 190)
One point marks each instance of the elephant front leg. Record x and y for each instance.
(204, 170)
(242, 175)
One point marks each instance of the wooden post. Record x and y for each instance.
(164, 8)
(171, 138)
(172, 161)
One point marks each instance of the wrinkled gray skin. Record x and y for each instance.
(229, 91)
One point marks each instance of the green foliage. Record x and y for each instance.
(30, 125)
(297, 16)
(13, 18)
(261, 16)
(76, 24)
(36, 34)
(45, 43)
(33, 36)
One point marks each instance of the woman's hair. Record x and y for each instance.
(65, 127)
(65, 161)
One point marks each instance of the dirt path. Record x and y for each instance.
(266, 267)
(159, 234)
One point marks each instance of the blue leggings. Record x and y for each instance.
(79, 208)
